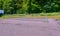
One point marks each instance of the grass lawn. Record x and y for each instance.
(40, 15)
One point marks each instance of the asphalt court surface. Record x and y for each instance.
(29, 27)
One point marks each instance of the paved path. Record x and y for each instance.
(29, 27)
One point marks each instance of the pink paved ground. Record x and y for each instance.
(29, 27)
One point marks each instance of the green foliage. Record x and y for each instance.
(29, 6)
